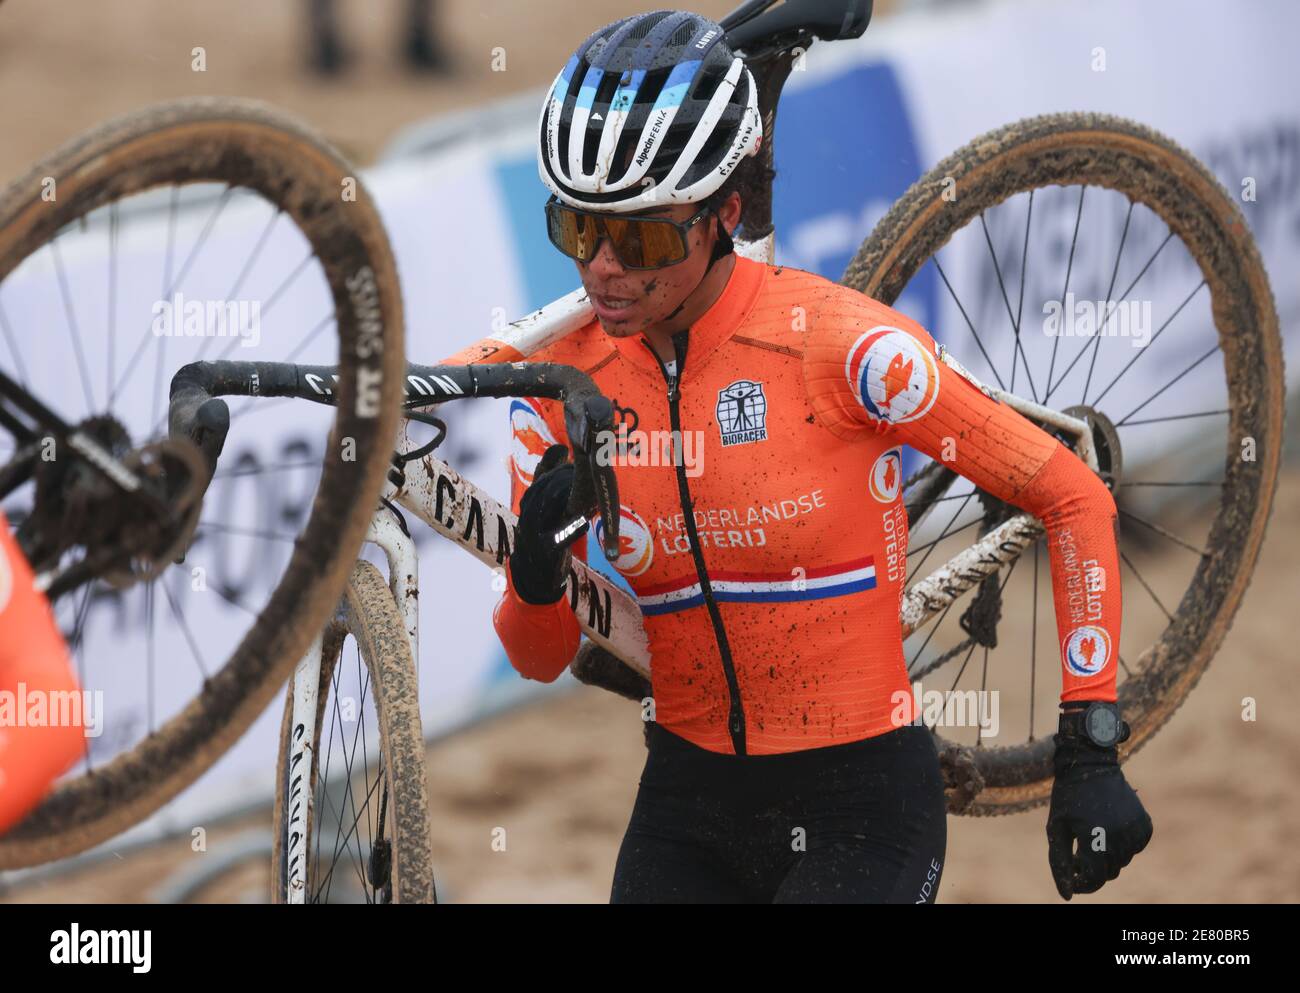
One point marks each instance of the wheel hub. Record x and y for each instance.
(1105, 441)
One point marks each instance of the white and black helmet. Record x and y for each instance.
(650, 110)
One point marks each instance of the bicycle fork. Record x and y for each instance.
(389, 532)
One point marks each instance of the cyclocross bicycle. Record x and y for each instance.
(1099, 205)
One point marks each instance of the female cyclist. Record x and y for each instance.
(762, 527)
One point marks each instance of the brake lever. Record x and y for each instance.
(590, 424)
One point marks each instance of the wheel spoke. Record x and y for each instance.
(110, 367)
(238, 285)
(1096, 342)
(69, 313)
(933, 628)
(330, 874)
(1162, 531)
(348, 757)
(351, 756)
(1167, 385)
(206, 526)
(160, 345)
(1069, 268)
(1131, 286)
(1173, 417)
(929, 546)
(1144, 350)
(974, 334)
(1020, 305)
(170, 288)
(344, 840)
(964, 662)
(272, 300)
(261, 469)
(1002, 287)
(7, 331)
(1146, 586)
(75, 644)
(159, 423)
(185, 630)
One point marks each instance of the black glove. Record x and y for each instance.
(538, 564)
(1090, 792)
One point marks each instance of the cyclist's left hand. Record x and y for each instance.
(1094, 805)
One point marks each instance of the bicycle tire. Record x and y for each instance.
(1117, 154)
(244, 144)
(370, 615)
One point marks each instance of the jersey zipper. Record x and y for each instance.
(735, 710)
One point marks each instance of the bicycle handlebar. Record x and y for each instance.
(196, 412)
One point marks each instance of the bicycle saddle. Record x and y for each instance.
(829, 20)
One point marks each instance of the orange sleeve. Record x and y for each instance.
(869, 368)
(540, 639)
(34, 673)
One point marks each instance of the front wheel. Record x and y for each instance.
(1053, 257)
(352, 804)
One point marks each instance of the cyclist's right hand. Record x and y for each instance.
(539, 562)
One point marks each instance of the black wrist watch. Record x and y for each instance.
(1098, 722)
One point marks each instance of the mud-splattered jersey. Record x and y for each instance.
(769, 562)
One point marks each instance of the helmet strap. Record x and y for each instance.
(723, 247)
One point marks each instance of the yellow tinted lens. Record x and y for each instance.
(661, 243)
(587, 237)
(571, 233)
(644, 244)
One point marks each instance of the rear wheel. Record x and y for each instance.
(1041, 218)
(232, 207)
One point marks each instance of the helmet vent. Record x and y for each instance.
(683, 34)
(708, 84)
(622, 155)
(652, 86)
(647, 23)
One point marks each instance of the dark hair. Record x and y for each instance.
(745, 179)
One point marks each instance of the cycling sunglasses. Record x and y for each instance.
(638, 242)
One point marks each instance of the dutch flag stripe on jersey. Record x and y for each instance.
(751, 587)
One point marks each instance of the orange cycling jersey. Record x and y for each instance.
(769, 562)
